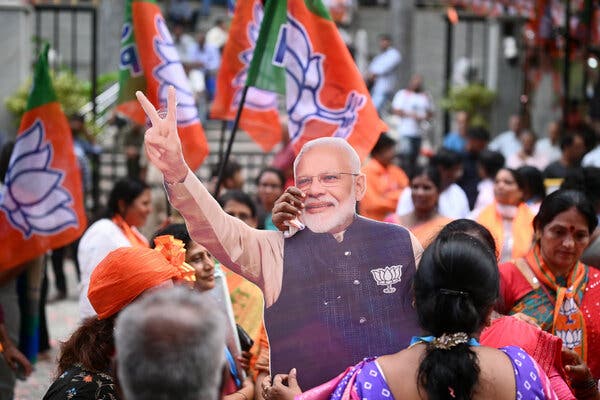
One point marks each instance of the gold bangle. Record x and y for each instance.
(1, 348)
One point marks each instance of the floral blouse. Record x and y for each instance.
(77, 383)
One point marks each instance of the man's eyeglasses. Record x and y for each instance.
(327, 179)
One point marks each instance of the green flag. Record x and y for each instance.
(263, 72)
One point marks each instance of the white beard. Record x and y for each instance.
(320, 223)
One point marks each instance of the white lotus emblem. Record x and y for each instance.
(33, 198)
(387, 277)
(170, 72)
(305, 81)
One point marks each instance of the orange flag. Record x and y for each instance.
(41, 204)
(300, 52)
(259, 118)
(149, 62)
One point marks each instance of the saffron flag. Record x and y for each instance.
(299, 51)
(259, 118)
(41, 202)
(149, 62)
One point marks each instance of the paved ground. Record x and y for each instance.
(62, 320)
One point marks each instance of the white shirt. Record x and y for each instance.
(102, 237)
(453, 202)
(506, 143)
(544, 148)
(183, 46)
(592, 159)
(537, 161)
(216, 37)
(411, 102)
(384, 65)
(208, 55)
(485, 197)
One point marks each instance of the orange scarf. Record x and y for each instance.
(568, 322)
(522, 228)
(135, 238)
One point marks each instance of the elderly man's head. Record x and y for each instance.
(170, 345)
(327, 170)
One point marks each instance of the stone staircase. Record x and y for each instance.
(112, 164)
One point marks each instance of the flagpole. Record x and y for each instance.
(230, 144)
(222, 140)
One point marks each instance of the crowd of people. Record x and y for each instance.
(469, 273)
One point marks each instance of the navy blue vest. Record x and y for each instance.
(331, 312)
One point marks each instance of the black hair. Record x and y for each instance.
(516, 176)
(178, 231)
(561, 201)
(568, 139)
(77, 117)
(446, 158)
(491, 162)
(274, 170)
(383, 143)
(431, 172)
(479, 133)
(231, 168)
(533, 181)
(528, 132)
(470, 227)
(126, 189)
(385, 36)
(586, 180)
(240, 197)
(5, 154)
(456, 286)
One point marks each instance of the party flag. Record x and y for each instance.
(259, 118)
(41, 202)
(149, 62)
(300, 52)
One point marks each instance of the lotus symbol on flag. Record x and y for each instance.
(304, 82)
(170, 72)
(568, 308)
(33, 198)
(570, 338)
(387, 277)
(257, 99)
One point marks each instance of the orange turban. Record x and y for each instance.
(127, 272)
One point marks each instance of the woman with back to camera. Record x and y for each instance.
(128, 207)
(550, 285)
(456, 287)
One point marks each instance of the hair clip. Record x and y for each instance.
(453, 292)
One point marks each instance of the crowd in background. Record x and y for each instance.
(504, 181)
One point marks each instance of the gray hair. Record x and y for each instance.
(339, 143)
(170, 344)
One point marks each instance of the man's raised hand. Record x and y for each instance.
(162, 141)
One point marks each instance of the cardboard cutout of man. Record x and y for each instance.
(336, 292)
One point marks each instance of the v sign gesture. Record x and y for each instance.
(163, 145)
